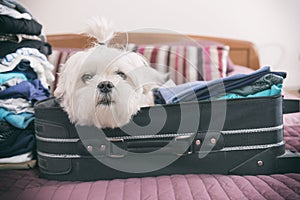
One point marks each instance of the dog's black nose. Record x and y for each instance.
(105, 86)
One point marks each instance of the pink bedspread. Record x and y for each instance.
(25, 185)
(291, 124)
(292, 132)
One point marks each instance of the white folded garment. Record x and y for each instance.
(17, 159)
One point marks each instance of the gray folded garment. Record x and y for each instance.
(259, 85)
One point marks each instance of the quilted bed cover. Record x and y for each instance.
(26, 184)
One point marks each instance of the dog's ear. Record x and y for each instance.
(143, 75)
(59, 90)
(67, 75)
(148, 78)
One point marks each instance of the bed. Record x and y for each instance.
(243, 57)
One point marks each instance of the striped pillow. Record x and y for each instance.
(184, 62)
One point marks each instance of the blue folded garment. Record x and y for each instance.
(7, 76)
(31, 90)
(273, 91)
(21, 120)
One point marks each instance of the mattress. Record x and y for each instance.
(25, 185)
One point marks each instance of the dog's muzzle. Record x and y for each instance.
(105, 100)
(105, 87)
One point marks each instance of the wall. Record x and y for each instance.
(271, 24)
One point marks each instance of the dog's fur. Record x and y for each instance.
(125, 78)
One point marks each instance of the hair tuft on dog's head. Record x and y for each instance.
(101, 29)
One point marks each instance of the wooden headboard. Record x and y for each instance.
(241, 52)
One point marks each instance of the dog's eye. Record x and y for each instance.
(121, 74)
(86, 77)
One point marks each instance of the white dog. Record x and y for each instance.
(105, 86)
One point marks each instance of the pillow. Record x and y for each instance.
(58, 57)
(230, 65)
(186, 61)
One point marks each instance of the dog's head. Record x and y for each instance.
(105, 86)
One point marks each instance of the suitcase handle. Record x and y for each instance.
(291, 106)
(178, 145)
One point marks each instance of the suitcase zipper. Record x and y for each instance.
(62, 140)
(252, 147)
(176, 136)
(253, 130)
(50, 155)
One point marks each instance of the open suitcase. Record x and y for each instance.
(237, 136)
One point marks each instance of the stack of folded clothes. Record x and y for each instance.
(25, 75)
(19, 29)
(261, 83)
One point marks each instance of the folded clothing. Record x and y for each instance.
(10, 83)
(17, 105)
(8, 47)
(21, 120)
(38, 62)
(25, 68)
(263, 83)
(24, 165)
(25, 157)
(24, 142)
(31, 90)
(10, 25)
(8, 134)
(273, 91)
(4, 77)
(4, 10)
(201, 90)
(15, 5)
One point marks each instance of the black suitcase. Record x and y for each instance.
(237, 136)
